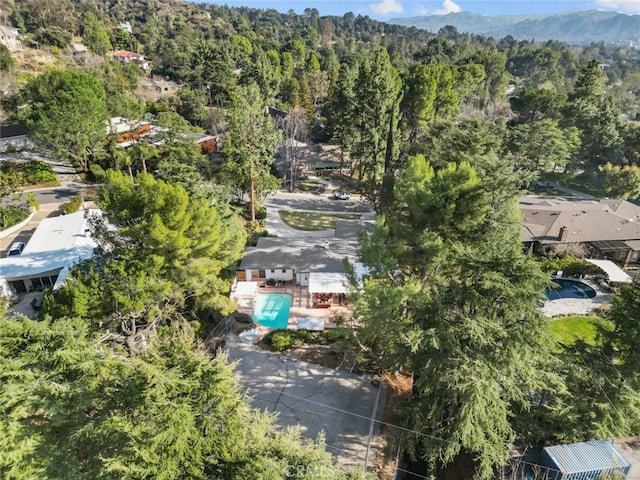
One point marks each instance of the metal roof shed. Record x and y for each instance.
(584, 461)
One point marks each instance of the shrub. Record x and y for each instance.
(97, 173)
(281, 340)
(261, 212)
(37, 173)
(30, 173)
(53, 36)
(10, 216)
(568, 265)
(32, 201)
(73, 205)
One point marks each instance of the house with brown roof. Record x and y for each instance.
(604, 228)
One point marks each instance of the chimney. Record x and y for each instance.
(563, 235)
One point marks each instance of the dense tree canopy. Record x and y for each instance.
(250, 149)
(73, 407)
(160, 249)
(67, 112)
(453, 299)
(115, 387)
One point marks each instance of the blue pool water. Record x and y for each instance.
(565, 288)
(272, 310)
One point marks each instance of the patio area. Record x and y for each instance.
(301, 310)
(577, 306)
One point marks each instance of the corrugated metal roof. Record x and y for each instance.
(591, 456)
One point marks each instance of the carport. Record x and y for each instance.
(327, 289)
(614, 273)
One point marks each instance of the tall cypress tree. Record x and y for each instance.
(378, 92)
(452, 299)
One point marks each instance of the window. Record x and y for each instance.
(284, 270)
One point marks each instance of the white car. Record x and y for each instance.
(342, 195)
(15, 249)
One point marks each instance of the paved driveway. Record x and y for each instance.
(318, 399)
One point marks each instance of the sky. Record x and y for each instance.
(386, 9)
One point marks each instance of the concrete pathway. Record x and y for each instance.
(344, 406)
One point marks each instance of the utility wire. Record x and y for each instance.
(364, 417)
(596, 381)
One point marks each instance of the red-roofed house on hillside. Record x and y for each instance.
(134, 135)
(124, 56)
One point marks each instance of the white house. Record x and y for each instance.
(56, 245)
(125, 56)
(10, 38)
(287, 259)
(14, 137)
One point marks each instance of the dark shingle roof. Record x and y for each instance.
(10, 131)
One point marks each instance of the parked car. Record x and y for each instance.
(342, 195)
(16, 248)
(36, 303)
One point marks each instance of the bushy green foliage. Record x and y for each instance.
(167, 249)
(72, 205)
(75, 405)
(11, 216)
(33, 172)
(451, 298)
(6, 60)
(54, 36)
(97, 173)
(281, 340)
(569, 265)
(66, 111)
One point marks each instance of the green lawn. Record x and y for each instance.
(568, 330)
(313, 221)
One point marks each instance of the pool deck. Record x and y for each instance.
(577, 306)
(300, 306)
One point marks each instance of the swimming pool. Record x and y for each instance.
(569, 289)
(272, 310)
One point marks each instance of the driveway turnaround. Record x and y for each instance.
(345, 406)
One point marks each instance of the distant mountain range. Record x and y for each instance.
(576, 27)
